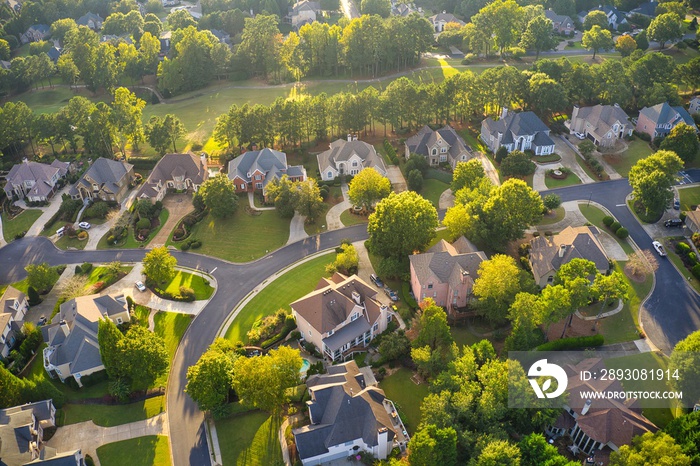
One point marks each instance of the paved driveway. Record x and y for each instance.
(48, 212)
(568, 159)
(178, 206)
(398, 183)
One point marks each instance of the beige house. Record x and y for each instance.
(694, 106)
(692, 220)
(107, 180)
(348, 158)
(446, 273)
(73, 350)
(438, 146)
(303, 12)
(13, 308)
(602, 124)
(547, 254)
(35, 181)
(181, 172)
(341, 316)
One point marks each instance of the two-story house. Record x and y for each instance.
(22, 437)
(180, 172)
(348, 158)
(108, 180)
(254, 170)
(446, 273)
(35, 181)
(90, 20)
(348, 413)
(647, 9)
(602, 124)
(303, 12)
(659, 120)
(440, 20)
(438, 146)
(35, 33)
(341, 316)
(517, 131)
(615, 16)
(73, 349)
(13, 308)
(561, 24)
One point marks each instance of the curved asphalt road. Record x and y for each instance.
(669, 315)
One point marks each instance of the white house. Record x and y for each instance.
(694, 106)
(439, 21)
(348, 158)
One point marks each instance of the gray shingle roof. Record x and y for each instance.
(266, 160)
(106, 173)
(89, 16)
(517, 124)
(663, 113)
(341, 151)
(556, 18)
(603, 117)
(16, 425)
(646, 9)
(40, 173)
(580, 242)
(443, 260)
(426, 138)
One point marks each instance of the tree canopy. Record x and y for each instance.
(368, 187)
(219, 195)
(652, 179)
(211, 379)
(159, 265)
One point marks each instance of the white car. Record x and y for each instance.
(659, 248)
(581, 136)
(84, 225)
(140, 286)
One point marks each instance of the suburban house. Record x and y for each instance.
(55, 51)
(179, 172)
(348, 414)
(165, 39)
(694, 106)
(341, 316)
(106, 179)
(602, 124)
(73, 350)
(517, 131)
(22, 433)
(660, 119)
(615, 16)
(561, 24)
(35, 181)
(548, 253)
(223, 36)
(35, 33)
(253, 170)
(303, 12)
(91, 20)
(600, 426)
(348, 158)
(645, 9)
(692, 220)
(446, 273)
(441, 19)
(13, 307)
(404, 9)
(440, 146)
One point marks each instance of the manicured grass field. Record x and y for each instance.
(64, 242)
(131, 242)
(689, 197)
(595, 216)
(637, 150)
(349, 219)
(463, 337)
(20, 223)
(406, 395)
(242, 237)
(570, 180)
(286, 289)
(201, 289)
(432, 189)
(249, 440)
(151, 450)
(559, 214)
(171, 326)
(113, 415)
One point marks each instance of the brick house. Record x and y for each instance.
(253, 170)
(561, 24)
(659, 120)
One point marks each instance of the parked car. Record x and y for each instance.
(391, 294)
(659, 248)
(42, 321)
(677, 204)
(140, 286)
(376, 280)
(673, 223)
(84, 225)
(580, 136)
(60, 231)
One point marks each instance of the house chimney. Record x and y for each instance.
(354, 137)
(562, 250)
(504, 112)
(203, 157)
(24, 160)
(356, 297)
(349, 137)
(586, 407)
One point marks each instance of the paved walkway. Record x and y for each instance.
(178, 206)
(2, 236)
(333, 215)
(251, 202)
(296, 228)
(47, 212)
(569, 155)
(489, 169)
(538, 179)
(98, 231)
(447, 199)
(398, 183)
(88, 437)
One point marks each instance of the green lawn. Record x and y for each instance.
(432, 189)
(102, 274)
(624, 326)
(171, 326)
(113, 415)
(20, 223)
(349, 219)
(678, 262)
(249, 440)
(279, 294)
(201, 289)
(595, 216)
(131, 242)
(406, 395)
(151, 450)
(242, 237)
(463, 337)
(689, 197)
(559, 214)
(637, 150)
(64, 242)
(440, 234)
(570, 180)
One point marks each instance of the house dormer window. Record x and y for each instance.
(354, 164)
(434, 152)
(354, 317)
(258, 177)
(443, 149)
(95, 187)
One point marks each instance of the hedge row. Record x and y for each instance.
(572, 343)
(280, 336)
(389, 149)
(184, 297)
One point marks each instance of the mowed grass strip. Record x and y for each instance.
(150, 450)
(432, 189)
(20, 223)
(113, 415)
(286, 289)
(553, 183)
(408, 396)
(249, 440)
(202, 290)
(241, 237)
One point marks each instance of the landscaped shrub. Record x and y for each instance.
(143, 224)
(97, 210)
(615, 226)
(696, 239)
(187, 293)
(696, 271)
(607, 220)
(622, 233)
(572, 343)
(682, 216)
(295, 335)
(94, 378)
(82, 235)
(32, 296)
(693, 258)
(86, 267)
(20, 235)
(682, 248)
(78, 270)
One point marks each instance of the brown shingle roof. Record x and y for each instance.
(580, 242)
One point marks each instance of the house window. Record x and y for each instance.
(258, 185)
(242, 186)
(434, 152)
(430, 286)
(331, 332)
(354, 164)
(309, 333)
(257, 177)
(443, 149)
(375, 327)
(354, 317)
(330, 174)
(119, 321)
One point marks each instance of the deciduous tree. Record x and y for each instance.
(652, 179)
(658, 448)
(211, 379)
(159, 265)
(665, 28)
(625, 45)
(685, 359)
(219, 195)
(595, 18)
(597, 39)
(683, 140)
(538, 36)
(467, 174)
(497, 284)
(368, 187)
(41, 276)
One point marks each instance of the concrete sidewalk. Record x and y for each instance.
(88, 437)
(333, 215)
(47, 212)
(98, 231)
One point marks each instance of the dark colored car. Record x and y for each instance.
(391, 294)
(376, 281)
(673, 223)
(677, 204)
